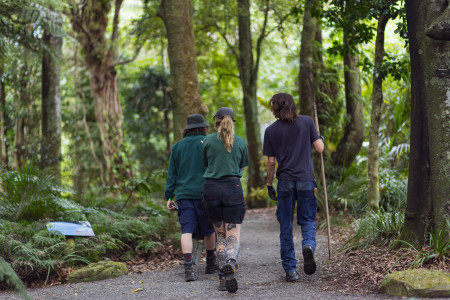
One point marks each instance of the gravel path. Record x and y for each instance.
(260, 275)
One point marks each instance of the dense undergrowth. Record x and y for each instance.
(29, 199)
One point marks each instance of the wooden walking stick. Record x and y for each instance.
(316, 121)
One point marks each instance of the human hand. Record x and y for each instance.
(272, 193)
(171, 205)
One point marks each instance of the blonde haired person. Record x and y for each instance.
(225, 156)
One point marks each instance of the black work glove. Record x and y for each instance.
(272, 193)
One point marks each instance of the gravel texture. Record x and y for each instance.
(260, 275)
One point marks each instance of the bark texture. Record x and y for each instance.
(353, 137)
(51, 104)
(248, 69)
(3, 147)
(307, 60)
(183, 90)
(428, 203)
(373, 190)
(90, 20)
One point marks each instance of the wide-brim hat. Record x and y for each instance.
(225, 111)
(195, 121)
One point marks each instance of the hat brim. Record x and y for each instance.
(192, 126)
(222, 118)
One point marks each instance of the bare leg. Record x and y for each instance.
(186, 242)
(233, 234)
(221, 247)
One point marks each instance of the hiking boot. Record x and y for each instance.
(189, 274)
(212, 265)
(291, 276)
(309, 265)
(222, 281)
(229, 269)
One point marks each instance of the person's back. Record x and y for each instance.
(187, 159)
(224, 156)
(185, 182)
(289, 141)
(220, 162)
(291, 144)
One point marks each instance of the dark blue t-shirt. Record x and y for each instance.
(290, 144)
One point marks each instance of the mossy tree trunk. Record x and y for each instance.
(428, 202)
(51, 104)
(353, 137)
(373, 189)
(184, 93)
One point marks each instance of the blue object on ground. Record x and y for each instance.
(81, 228)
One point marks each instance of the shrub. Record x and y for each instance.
(379, 229)
(27, 194)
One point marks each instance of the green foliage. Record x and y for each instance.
(379, 229)
(438, 247)
(26, 194)
(8, 275)
(33, 251)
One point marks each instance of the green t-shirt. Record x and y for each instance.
(219, 162)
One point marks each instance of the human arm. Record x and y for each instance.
(319, 146)
(171, 181)
(270, 174)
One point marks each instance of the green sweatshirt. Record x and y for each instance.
(219, 162)
(185, 174)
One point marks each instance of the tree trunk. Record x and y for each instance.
(248, 70)
(183, 90)
(373, 190)
(51, 105)
(307, 60)
(90, 21)
(3, 148)
(353, 137)
(19, 151)
(428, 204)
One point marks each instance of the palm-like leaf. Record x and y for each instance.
(25, 194)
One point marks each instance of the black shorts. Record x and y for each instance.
(224, 200)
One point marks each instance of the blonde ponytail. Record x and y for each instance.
(226, 132)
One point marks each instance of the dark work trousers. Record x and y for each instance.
(290, 193)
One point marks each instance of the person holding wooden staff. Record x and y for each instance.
(289, 140)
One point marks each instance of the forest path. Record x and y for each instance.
(260, 275)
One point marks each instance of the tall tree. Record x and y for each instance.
(373, 190)
(183, 90)
(51, 102)
(90, 21)
(248, 75)
(353, 136)
(307, 59)
(3, 145)
(428, 204)
(350, 17)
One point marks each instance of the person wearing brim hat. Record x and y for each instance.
(185, 176)
(225, 157)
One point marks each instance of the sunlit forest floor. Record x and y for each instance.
(357, 272)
